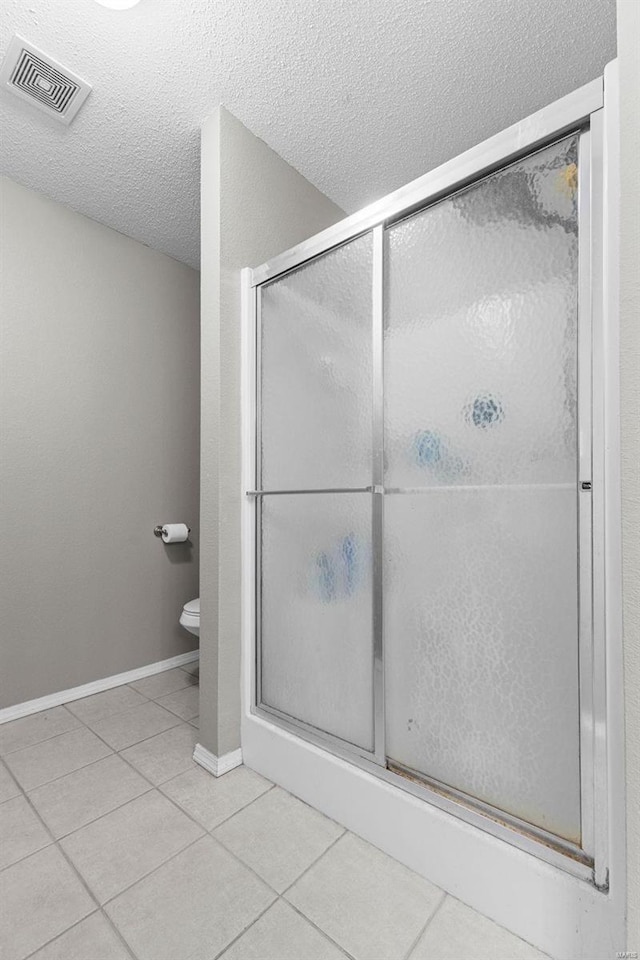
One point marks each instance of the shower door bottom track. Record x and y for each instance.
(563, 847)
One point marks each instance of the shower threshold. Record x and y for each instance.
(429, 785)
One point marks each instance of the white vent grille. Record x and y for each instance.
(46, 84)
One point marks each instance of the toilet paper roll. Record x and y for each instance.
(175, 532)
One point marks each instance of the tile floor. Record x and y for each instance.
(115, 845)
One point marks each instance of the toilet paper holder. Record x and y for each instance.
(157, 530)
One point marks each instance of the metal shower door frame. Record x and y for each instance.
(581, 111)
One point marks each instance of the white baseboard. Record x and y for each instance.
(96, 686)
(217, 765)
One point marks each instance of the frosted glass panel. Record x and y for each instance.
(481, 646)
(316, 611)
(481, 642)
(316, 373)
(480, 337)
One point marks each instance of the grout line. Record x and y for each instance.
(9, 774)
(163, 696)
(66, 930)
(119, 934)
(245, 866)
(126, 760)
(231, 815)
(31, 853)
(47, 783)
(60, 706)
(120, 750)
(177, 807)
(84, 723)
(183, 723)
(101, 693)
(239, 810)
(131, 710)
(73, 867)
(242, 932)
(205, 833)
(306, 870)
(417, 940)
(13, 780)
(150, 873)
(191, 682)
(169, 710)
(319, 929)
(173, 776)
(64, 836)
(90, 763)
(89, 823)
(113, 752)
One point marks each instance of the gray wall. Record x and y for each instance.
(629, 64)
(254, 205)
(99, 410)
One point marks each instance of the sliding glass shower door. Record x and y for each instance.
(315, 519)
(418, 512)
(481, 591)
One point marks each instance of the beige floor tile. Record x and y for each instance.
(164, 756)
(54, 758)
(160, 684)
(21, 831)
(40, 896)
(278, 836)
(91, 939)
(75, 800)
(39, 726)
(210, 800)
(105, 704)
(371, 905)
(185, 703)
(124, 729)
(190, 908)
(120, 848)
(8, 787)
(282, 934)
(459, 933)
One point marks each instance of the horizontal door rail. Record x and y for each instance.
(437, 488)
(442, 488)
(271, 493)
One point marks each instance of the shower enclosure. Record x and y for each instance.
(425, 595)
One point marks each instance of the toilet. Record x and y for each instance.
(190, 616)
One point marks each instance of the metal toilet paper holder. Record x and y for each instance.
(157, 530)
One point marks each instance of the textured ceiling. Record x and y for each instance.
(361, 96)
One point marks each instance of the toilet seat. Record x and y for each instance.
(190, 616)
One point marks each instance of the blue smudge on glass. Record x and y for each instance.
(326, 577)
(428, 448)
(486, 411)
(349, 554)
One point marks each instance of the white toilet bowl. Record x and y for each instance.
(190, 616)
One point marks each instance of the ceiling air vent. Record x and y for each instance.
(41, 81)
